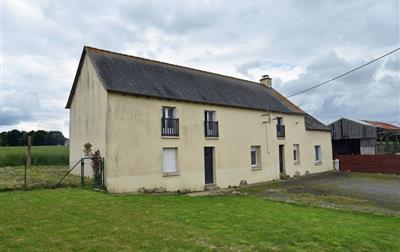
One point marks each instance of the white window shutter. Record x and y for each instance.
(169, 162)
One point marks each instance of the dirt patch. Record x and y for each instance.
(374, 193)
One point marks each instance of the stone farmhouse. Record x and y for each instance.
(160, 125)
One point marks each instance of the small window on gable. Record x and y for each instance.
(255, 157)
(169, 160)
(317, 149)
(296, 153)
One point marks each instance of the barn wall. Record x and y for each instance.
(348, 129)
(368, 146)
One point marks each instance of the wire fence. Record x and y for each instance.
(41, 176)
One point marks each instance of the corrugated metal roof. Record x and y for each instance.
(134, 75)
(382, 125)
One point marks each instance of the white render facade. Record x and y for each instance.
(215, 144)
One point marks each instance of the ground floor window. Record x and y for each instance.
(169, 160)
(296, 153)
(317, 149)
(255, 157)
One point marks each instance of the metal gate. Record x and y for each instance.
(97, 181)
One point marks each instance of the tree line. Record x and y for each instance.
(39, 137)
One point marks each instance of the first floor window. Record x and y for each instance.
(296, 153)
(317, 149)
(169, 160)
(169, 122)
(169, 112)
(255, 156)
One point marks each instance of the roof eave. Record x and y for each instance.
(198, 102)
(77, 74)
(326, 130)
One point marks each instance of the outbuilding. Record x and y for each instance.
(365, 137)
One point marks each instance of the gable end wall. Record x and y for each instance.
(88, 113)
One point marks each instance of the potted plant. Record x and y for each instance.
(87, 149)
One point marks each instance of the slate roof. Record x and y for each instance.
(313, 124)
(138, 76)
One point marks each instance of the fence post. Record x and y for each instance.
(29, 153)
(102, 172)
(28, 158)
(25, 174)
(82, 172)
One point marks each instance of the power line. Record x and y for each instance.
(346, 73)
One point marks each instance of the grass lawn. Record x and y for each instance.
(41, 155)
(12, 177)
(77, 219)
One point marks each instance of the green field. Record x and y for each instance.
(41, 155)
(13, 177)
(84, 220)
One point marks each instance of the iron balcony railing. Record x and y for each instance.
(280, 130)
(211, 129)
(169, 126)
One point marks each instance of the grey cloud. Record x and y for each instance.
(240, 38)
(261, 64)
(360, 95)
(18, 106)
(393, 63)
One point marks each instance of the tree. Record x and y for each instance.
(39, 137)
(13, 137)
(3, 138)
(23, 139)
(55, 138)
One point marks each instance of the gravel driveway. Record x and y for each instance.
(379, 193)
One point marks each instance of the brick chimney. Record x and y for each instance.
(266, 81)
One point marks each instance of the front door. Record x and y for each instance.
(281, 158)
(209, 165)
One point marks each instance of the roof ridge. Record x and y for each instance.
(170, 64)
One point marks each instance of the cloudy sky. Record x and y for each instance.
(298, 43)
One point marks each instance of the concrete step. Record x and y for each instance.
(211, 187)
(284, 176)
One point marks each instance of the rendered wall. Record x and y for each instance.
(87, 116)
(135, 145)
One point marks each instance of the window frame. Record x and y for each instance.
(167, 115)
(279, 121)
(280, 127)
(168, 172)
(296, 153)
(257, 150)
(211, 130)
(317, 154)
(169, 122)
(211, 116)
